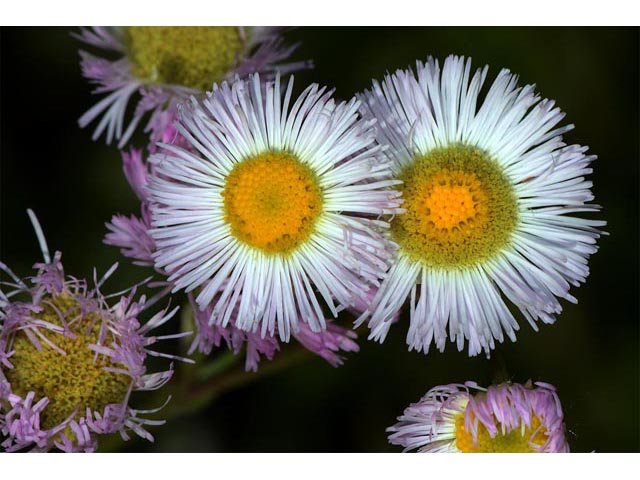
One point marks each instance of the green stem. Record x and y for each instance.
(210, 369)
(198, 396)
(188, 397)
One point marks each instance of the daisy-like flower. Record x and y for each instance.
(491, 195)
(166, 65)
(269, 216)
(131, 235)
(70, 360)
(470, 419)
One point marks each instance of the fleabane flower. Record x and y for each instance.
(491, 194)
(132, 235)
(275, 212)
(165, 65)
(70, 359)
(505, 418)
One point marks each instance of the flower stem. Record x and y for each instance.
(197, 386)
(198, 396)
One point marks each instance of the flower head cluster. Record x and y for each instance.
(166, 65)
(491, 193)
(70, 360)
(471, 419)
(270, 210)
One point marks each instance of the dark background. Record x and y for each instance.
(591, 354)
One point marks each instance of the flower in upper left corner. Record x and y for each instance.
(166, 65)
(69, 360)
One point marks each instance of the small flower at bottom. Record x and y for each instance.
(69, 361)
(471, 419)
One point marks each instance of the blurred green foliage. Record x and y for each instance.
(591, 354)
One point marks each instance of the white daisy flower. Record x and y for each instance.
(491, 192)
(269, 214)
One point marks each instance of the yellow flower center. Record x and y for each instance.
(74, 380)
(460, 208)
(272, 202)
(515, 441)
(193, 57)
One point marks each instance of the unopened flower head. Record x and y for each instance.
(491, 194)
(269, 215)
(329, 344)
(165, 65)
(70, 358)
(469, 419)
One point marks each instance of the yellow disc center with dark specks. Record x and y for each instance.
(272, 202)
(518, 440)
(460, 208)
(74, 380)
(194, 57)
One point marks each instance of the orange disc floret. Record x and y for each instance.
(460, 208)
(272, 202)
(449, 204)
